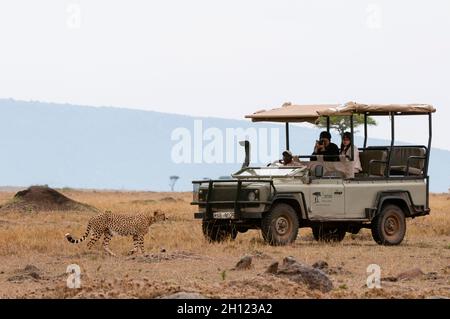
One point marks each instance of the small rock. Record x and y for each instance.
(34, 275)
(31, 268)
(300, 273)
(244, 263)
(184, 295)
(273, 268)
(289, 260)
(410, 274)
(163, 250)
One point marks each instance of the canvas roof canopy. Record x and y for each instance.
(377, 109)
(291, 113)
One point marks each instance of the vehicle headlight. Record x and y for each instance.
(202, 195)
(252, 195)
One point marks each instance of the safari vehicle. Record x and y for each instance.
(323, 195)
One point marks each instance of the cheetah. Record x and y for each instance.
(110, 224)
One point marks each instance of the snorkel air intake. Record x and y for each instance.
(246, 145)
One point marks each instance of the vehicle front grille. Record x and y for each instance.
(223, 194)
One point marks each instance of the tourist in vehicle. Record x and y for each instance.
(325, 147)
(289, 159)
(346, 149)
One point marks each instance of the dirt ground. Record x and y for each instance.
(34, 256)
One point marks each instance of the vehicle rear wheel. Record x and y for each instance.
(328, 233)
(280, 225)
(217, 232)
(389, 226)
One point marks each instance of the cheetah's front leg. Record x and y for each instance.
(135, 245)
(138, 243)
(106, 241)
(141, 244)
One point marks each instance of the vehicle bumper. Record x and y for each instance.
(240, 215)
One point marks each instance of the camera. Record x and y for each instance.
(320, 142)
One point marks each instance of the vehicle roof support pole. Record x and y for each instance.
(388, 163)
(365, 130)
(328, 124)
(352, 141)
(287, 135)
(430, 134)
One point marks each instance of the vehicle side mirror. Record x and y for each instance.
(318, 171)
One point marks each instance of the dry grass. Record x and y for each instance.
(192, 264)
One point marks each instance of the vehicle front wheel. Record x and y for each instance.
(328, 233)
(217, 232)
(389, 226)
(280, 225)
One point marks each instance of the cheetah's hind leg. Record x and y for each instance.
(93, 240)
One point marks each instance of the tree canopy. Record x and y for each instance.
(173, 179)
(342, 123)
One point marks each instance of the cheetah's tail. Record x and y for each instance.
(73, 240)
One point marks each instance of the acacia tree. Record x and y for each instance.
(173, 180)
(342, 123)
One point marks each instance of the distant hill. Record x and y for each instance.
(113, 148)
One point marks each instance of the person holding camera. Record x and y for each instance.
(325, 147)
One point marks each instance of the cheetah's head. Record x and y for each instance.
(159, 216)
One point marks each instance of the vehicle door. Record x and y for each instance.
(326, 198)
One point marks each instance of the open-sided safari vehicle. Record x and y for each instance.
(326, 196)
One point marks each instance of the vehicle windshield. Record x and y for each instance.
(270, 171)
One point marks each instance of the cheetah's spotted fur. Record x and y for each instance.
(110, 224)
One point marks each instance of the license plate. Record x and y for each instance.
(223, 215)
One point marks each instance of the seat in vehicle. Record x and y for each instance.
(374, 168)
(399, 160)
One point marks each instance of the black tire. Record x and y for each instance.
(328, 233)
(280, 225)
(218, 232)
(389, 226)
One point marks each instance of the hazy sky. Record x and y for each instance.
(230, 58)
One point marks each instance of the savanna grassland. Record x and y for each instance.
(34, 255)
